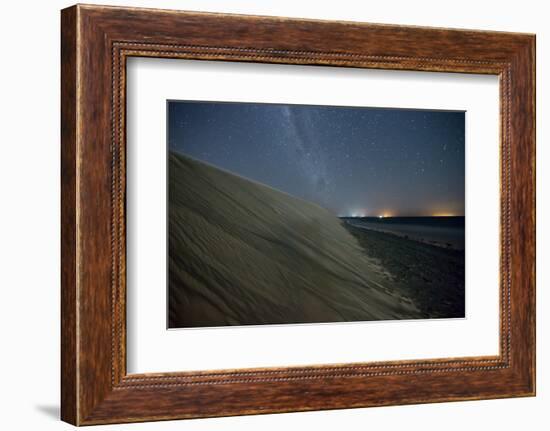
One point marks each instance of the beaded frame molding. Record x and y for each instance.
(95, 43)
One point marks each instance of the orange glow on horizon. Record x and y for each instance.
(390, 214)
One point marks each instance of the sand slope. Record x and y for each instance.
(243, 253)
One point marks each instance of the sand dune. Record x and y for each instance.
(243, 253)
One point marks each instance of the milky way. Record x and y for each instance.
(362, 161)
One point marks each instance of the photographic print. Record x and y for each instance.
(287, 214)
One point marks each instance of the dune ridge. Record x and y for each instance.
(241, 253)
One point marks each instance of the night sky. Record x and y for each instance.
(352, 161)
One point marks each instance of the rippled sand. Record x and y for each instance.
(242, 253)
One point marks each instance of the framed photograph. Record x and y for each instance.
(264, 215)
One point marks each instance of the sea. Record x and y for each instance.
(447, 232)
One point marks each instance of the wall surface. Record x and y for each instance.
(29, 215)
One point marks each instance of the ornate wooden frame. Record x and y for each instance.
(95, 42)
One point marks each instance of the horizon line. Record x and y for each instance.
(403, 216)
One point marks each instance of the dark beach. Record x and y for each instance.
(423, 264)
